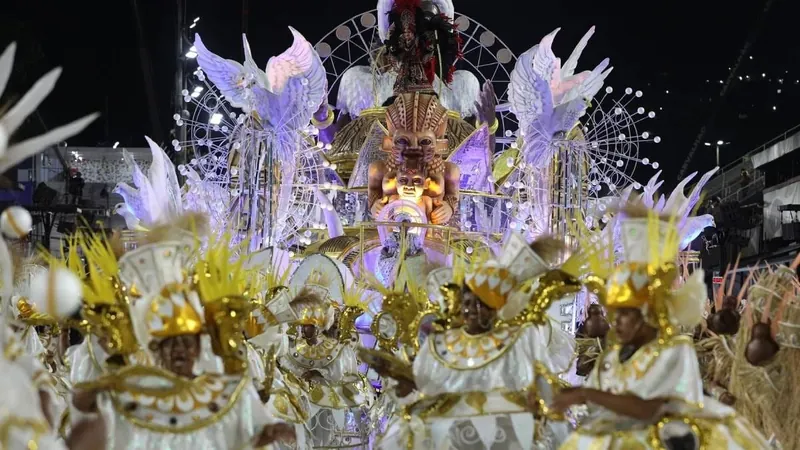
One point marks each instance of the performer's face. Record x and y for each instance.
(178, 354)
(476, 315)
(308, 331)
(628, 322)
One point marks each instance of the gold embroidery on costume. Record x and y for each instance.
(458, 350)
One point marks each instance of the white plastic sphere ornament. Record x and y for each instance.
(56, 292)
(16, 222)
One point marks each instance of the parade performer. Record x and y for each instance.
(173, 405)
(339, 395)
(478, 383)
(645, 390)
(266, 332)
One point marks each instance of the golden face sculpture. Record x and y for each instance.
(417, 124)
(411, 184)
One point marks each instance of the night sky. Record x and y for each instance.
(676, 54)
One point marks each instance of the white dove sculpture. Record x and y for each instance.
(156, 199)
(549, 99)
(677, 204)
(131, 221)
(284, 96)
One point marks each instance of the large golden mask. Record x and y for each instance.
(417, 124)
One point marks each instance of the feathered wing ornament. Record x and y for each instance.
(548, 101)
(297, 83)
(156, 200)
(677, 204)
(460, 94)
(361, 88)
(11, 155)
(230, 77)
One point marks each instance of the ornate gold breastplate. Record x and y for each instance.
(458, 350)
(315, 356)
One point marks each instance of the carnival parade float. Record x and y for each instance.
(404, 146)
(402, 236)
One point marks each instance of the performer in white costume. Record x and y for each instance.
(479, 383)
(173, 406)
(646, 391)
(340, 398)
(265, 329)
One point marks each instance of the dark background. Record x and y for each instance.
(676, 52)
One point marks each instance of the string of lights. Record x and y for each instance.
(717, 105)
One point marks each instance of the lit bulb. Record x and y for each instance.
(609, 90)
(645, 135)
(628, 91)
(646, 161)
(655, 165)
(657, 139)
(651, 114)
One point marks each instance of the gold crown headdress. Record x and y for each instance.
(645, 277)
(311, 308)
(321, 277)
(402, 310)
(494, 281)
(159, 272)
